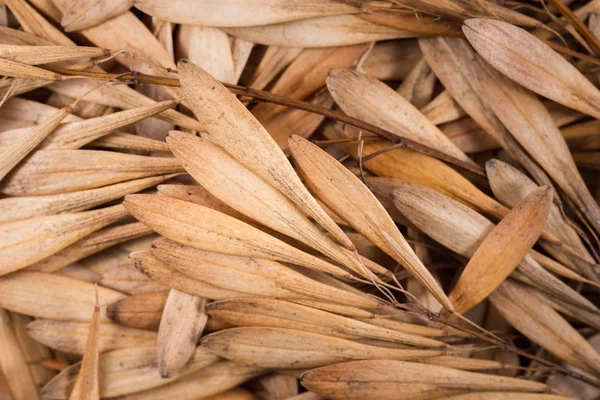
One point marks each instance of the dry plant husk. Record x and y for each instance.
(348, 197)
(167, 229)
(126, 371)
(382, 379)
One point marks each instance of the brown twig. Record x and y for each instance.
(267, 97)
(577, 24)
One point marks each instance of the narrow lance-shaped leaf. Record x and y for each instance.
(14, 152)
(142, 310)
(531, 315)
(20, 70)
(253, 311)
(237, 131)
(207, 229)
(502, 250)
(20, 208)
(244, 191)
(51, 296)
(87, 386)
(61, 171)
(250, 13)
(75, 135)
(13, 364)
(125, 371)
(329, 31)
(181, 325)
(368, 99)
(348, 197)
(212, 380)
(410, 166)
(97, 241)
(459, 68)
(530, 62)
(287, 348)
(71, 337)
(461, 229)
(384, 379)
(510, 186)
(531, 124)
(253, 275)
(36, 55)
(88, 13)
(23, 243)
(148, 264)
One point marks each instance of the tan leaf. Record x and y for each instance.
(25, 242)
(370, 100)
(183, 320)
(384, 379)
(502, 250)
(531, 315)
(287, 348)
(531, 63)
(237, 131)
(60, 171)
(210, 230)
(51, 296)
(125, 371)
(142, 310)
(277, 313)
(329, 31)
(87, 384)
(348, 197)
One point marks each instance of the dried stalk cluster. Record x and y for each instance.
(299, 200)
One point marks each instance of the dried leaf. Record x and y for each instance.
(97, 241)
(215, 378)
(126, 371)
(25, 242)
(253, 276)
(461, 229)
(181, 326)
(348, 197)
(71, 337)
(384, 379)
(531, 315)
(286, 348)
(36, 55)
(276, 313)
(20, 208)
(51, 296)
(329, 31)
(142, 310)
(542, 139)
(210, 230)
(531, 63)
(370, 100)
(87, 386)
(12, 153)
(247, 193)
(13, 364)
(60, 171)
(502, 250)
(256, 12)
(234, 128)
(90, 13)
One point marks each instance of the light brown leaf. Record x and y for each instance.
(237, 131)
(87, 386)
(183, 320)
(348, 197)
(502, 250)
(531, 63)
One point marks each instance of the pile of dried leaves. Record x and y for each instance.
(341, 199)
